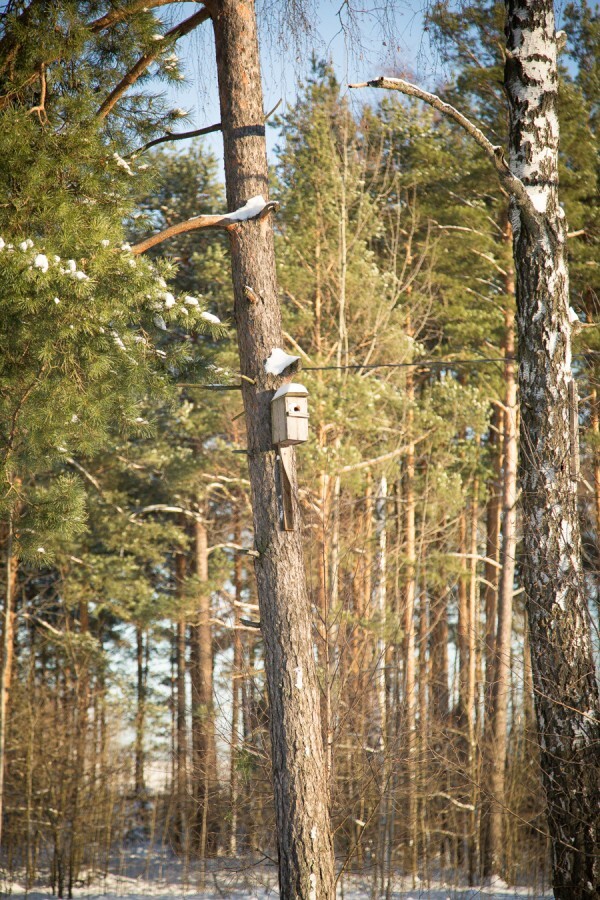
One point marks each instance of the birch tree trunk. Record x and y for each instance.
(566, 692)
(299, 779)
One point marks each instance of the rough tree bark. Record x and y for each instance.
(566, 692)
(299, 779)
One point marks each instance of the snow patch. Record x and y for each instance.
(291, 388)
(209, 317)
(251, 208)
(278, 361)
(123, 164)
(41, 262)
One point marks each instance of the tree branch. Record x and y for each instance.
(147, 59)
(399, 451)
(164, 507)
(221, 221)
(125, 12)
(513, 185)
(178, 136)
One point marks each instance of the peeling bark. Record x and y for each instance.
(566, 692)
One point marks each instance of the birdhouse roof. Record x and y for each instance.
(295, 390)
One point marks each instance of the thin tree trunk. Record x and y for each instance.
(410, 698)
(181, 725)
(236, 686)
(299, 776)
(595, 427)
(203, 724)
(495, 741)
(7, 654)
(462, 631)
(473, 756)
(380, 606)
(140, 713)
(492, 548)
(566, 691)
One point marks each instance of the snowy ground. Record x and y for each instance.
(223, 885)
(139, 873)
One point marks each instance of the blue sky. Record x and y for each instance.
(359, 46)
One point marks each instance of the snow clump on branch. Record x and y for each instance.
(279, 361)
(251, 208)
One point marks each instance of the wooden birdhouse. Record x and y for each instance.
(289, 415)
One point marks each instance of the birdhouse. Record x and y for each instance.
(289, 415)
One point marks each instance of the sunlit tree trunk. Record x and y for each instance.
(181, 786)
(204, 770)
(566, 691)
(7, 654)
(236, 690)
(299, 773)
(496, 737)
(410, 696)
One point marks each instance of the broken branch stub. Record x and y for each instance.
(226, 221)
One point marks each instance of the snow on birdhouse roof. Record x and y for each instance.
(296, 390)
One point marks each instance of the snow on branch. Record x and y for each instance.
(255, 208)
(513, 185)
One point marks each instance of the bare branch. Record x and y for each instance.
(177, 136)
(164, 507)
(40, 109)
(229, 546)
(147, 59)
(221, 221)
(399, 451)
(513, 185)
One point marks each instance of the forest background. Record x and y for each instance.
(134, 707)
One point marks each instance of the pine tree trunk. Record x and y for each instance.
(492, 549)
(299, 777)
(410, 697)
(236, 686)
(495, 740)
(7, 655)
(203, 723)
(566, 692)
(462, 630)
(180, 721)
